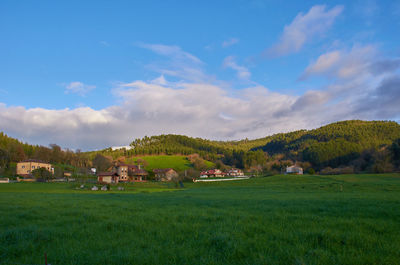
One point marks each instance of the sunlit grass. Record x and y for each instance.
(353, 219)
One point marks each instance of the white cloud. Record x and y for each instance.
(242, 72)
(358, 62)
(179, 64)
(361, 78)
(78, 88)
(229, 42)
(173, 51)
(303, 28)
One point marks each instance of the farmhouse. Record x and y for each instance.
(213, 173)
(130, 173)
(165, 174)
(25, 168)
(235, 172)
(4, 180)
(294, 170)
(137, 174)
(108, 177)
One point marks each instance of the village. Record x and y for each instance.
(127, 173)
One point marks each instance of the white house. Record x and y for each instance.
(294, 170)
(4, 180)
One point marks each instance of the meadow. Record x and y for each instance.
(346, 219)
(177, 162)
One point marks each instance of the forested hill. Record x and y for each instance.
(359, 144)
(334, 144)
(331, 145)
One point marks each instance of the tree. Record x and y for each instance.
(56, 154)
(4, 160)
(42, 173)
(141, 162)
(395, 150)
(101, 163)
(311, 171)
(43, 153)
(16, 152)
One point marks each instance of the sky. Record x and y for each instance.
(92, 74)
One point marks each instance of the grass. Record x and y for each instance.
(348, 219)
(177, 162)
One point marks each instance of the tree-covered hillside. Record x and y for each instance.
(13, 150)
(334, 144)
(356, 145)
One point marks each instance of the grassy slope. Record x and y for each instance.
(275, 220)
(179, 163)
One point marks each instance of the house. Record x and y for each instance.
(212, 173)
(136, 173)
(294, 170)
(108, 177)
(165, 174)
(4, 180)
(25, 168)
(122, 170)
(235, 172)
(130, 173)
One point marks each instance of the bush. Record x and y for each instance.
(311, 171)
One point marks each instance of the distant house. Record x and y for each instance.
(25, 168)
(130, 173)
(26, 178)
(294, 170)
(137, 174)
(212, 173)
(108, 177)
(165, 174)
(4, 180)
(235, 172)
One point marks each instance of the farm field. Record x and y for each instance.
(346, 219)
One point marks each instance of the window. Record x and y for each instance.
(23, 166)
(33, 166)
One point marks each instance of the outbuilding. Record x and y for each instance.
(108, 177)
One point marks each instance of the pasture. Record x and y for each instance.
(177, 162)
(347, 219)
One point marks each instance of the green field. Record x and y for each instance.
(348, 219)
(179, 163)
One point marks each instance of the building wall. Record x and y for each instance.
(25, 168)
(106, 179)
(123, 173)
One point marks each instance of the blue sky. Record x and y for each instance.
(90, 74)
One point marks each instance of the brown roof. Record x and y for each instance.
(120, 164)
(105, 174)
